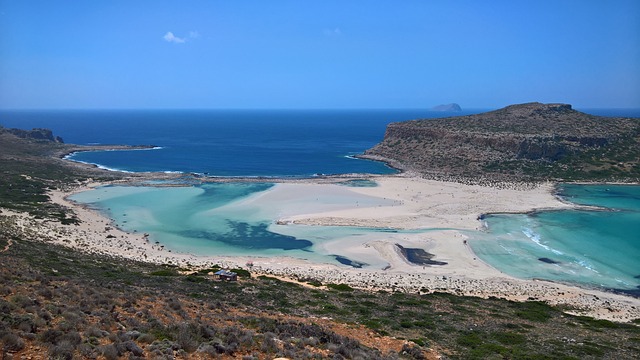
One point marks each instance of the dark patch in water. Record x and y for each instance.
(419, 256)
(637, 276)
(359, 183)
(629, 292)
(346, 261)
(386, 230)
(548, 261)
(251, 236)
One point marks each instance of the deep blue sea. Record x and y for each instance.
(226, 142)
(592, 248)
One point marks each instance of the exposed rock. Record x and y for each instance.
(531, 141)
(35, 134)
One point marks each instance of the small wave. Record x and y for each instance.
(70, 155)
(173, 172)
(100, 166)
(509, 251)
(110, 169)
(138, 149)
(536, 239)
(620, 281)
(585, 264)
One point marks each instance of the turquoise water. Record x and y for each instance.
(595, 248)
(222, 219)
(589, 247)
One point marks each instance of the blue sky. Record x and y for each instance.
(317, 54)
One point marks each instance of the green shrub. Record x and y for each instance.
(470, 340)
(534, 311)
(242, 273)
(509, 338)
(340, 287)
(164, 272)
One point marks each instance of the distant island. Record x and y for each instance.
(447, 107)
(525, 142)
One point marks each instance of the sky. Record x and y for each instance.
(241, 54)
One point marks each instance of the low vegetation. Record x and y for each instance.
(524, 143)
(28, 169)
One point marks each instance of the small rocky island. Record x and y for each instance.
(447, 107)
(526, 142)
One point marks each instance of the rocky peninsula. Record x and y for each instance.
(526, 142)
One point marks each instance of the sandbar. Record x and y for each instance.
(406, 202)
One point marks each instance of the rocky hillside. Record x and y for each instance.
(35, 134)
(531, 141)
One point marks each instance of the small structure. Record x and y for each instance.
(226, 275)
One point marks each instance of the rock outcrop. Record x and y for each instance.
(35, 134)
(531, 141)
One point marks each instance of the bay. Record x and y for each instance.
(231, 143)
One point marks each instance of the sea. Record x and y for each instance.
(595, 248)
(231, 143)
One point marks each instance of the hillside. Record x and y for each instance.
(531, 141)
(31, 163)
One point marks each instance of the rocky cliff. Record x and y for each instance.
(35, 134)
(520, 142)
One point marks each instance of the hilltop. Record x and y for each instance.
(529, 142)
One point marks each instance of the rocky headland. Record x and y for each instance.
(526, 142)
(35, 134)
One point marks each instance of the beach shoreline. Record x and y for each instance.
(420, 204)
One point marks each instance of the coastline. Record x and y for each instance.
(72, 149)
(446, 206)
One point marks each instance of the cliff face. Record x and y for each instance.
(527, 141)
(35, 134)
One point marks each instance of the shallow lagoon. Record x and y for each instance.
(590, 247)
(238, 219)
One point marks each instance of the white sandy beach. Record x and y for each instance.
(404, 202)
